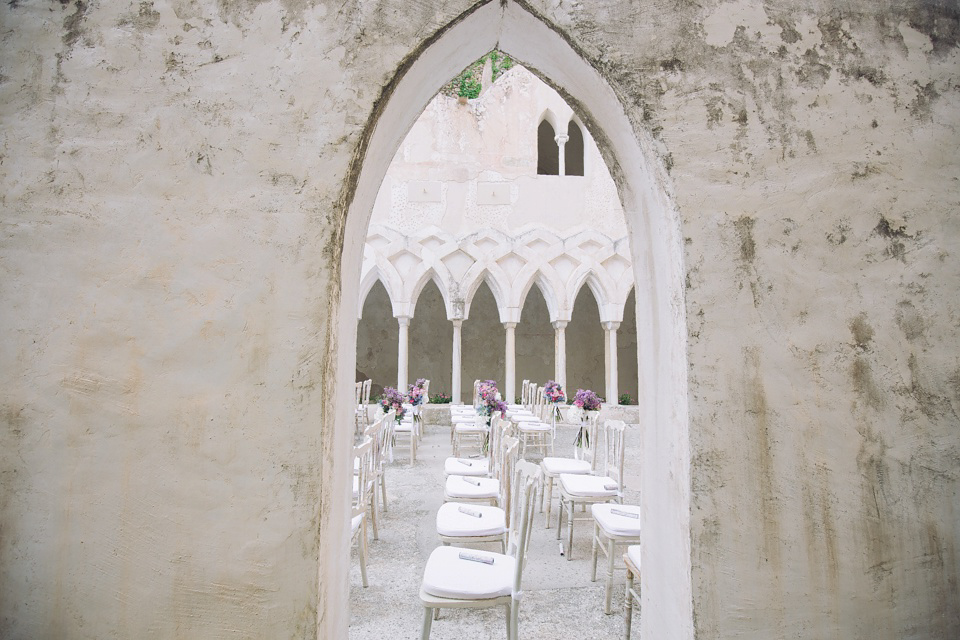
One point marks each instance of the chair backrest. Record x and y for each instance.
(476, 392)
(389, 421)
(589, 447)
(362, 452)
(358, 393)
(613, 450)
(509, 450)
(527, 479)
(524, 391)
(493, 441)
(377, 432)
(367, 384)
(426, 390)
(540, 410)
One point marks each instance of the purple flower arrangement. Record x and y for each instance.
(553, 392)
(587, 400)
(415, 395)
(392, 399)
(488, 399)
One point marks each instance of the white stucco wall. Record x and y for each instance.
(176, 178)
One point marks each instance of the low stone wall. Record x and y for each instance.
(439, 414)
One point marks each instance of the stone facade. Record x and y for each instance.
(186, 188)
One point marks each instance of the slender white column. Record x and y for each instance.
(457, 362)
(610, 350)
(403, 348)
(560, 354)
(511, 382)
(561, 139)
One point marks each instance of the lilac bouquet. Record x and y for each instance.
(553, 392)
(584, 401)
(415, 394)
(587, 400)
(488, 400)
(392, 399)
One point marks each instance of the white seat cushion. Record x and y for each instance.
(588, 486)
(452, 522)
(470, 428)
(533, 426)
(456, 466)
(633, 552)
(447, 576)
(556, 466)
(403, 427)
(355, 523)
(457, 487)
(523, 417)
(614, 524)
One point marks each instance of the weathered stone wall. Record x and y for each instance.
(172, 198)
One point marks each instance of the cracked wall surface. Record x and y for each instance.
(174, 184)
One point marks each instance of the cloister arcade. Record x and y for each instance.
(467, 204)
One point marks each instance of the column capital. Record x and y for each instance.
(559, 325)
(561, 138)
(404, 321)
(510, 325)
(610, 326)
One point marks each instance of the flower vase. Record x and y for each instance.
(583, 435)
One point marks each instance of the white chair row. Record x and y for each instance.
(362, 402)
(370, 484)
(467, 578)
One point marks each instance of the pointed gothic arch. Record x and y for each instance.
(656, 249)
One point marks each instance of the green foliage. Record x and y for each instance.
(469, 86)
(469, 83)
(439, 398)
(626, 399)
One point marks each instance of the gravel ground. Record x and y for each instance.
(559, 600)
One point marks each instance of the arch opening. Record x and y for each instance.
(377, 333)
(535, 341)
(573, 150)
(483, 342)
(431, 338)
(656, 250)
(585, 349)
(548, 153)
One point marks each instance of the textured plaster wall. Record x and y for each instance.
(173, 190)
(493, 140)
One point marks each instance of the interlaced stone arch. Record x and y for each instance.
(655, 244)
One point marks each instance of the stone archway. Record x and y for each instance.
(655, 244)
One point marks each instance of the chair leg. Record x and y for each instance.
(570, 531)
(609, 588)
(559, 516)
(362, 552)
(628, 606)
(374, 520)
(593, 567)
(514, 620)
(549, 499)
(506, 619)
(383, 490)
(427, 622)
